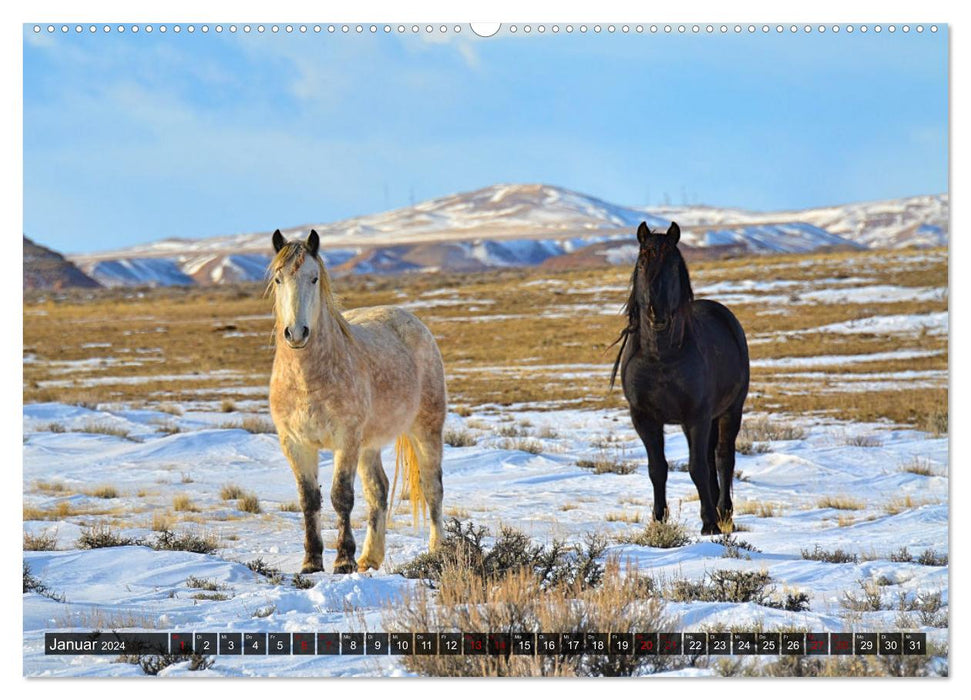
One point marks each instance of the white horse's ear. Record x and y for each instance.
(278, 241)
(674, 233)
(642, 233)
(313, 242)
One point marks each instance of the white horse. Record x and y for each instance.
(352, 383)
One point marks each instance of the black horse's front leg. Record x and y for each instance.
(652, 435)
(699, 435)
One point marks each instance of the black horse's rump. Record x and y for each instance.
(682, 362)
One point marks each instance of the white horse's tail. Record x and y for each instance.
(406, 457)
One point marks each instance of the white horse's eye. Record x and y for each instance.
(277, 280)
(313, 281)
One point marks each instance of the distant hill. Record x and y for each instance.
(525, 225)
(47, 269)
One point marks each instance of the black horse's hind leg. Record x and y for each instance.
(698, 445)
(712, 470)
(728, 427)
(652, 435)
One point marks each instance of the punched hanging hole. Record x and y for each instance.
(485, 29)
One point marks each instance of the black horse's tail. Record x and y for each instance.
(622, 339)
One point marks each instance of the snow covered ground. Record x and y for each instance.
(895, 483)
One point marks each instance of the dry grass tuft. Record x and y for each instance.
(230, 492)
(105, 491)
(840, 503)
(661, 534)
(249, 503)
(920, 467)
(183, 504)
(761, 509)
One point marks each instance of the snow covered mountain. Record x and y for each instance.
(517, 225)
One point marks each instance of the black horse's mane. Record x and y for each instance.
(632, 307)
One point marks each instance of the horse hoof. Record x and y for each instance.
(710, 530)
(346, 567)
(312, 567)
(363, 566)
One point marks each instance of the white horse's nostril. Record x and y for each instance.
(286, 333)
(306, 332)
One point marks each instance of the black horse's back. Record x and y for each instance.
(730, 359)
(683, 362)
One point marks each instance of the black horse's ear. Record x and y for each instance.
(313, 243)
(642, 233)
(674, 233)
(278, 240)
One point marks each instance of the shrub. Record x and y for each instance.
(258, 566)
(862, 441)
(745, 446)
(931, 558)
(734, 546)
(32, 584)
(206, 584)
(519, 601)
(463, 548)
(723, 586)
(153, 664)
(836, 556)
(100, 536)
(291, 507)
(762, 429)
(185, 542)
(455, 437)
(529, 445)
(868, 600)
(302, 582)
(605, 464)
(228, 406)
(41, 542)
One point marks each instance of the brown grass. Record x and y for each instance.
(184, 324)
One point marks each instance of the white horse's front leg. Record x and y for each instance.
(375, 483)
(342, 498)
(303, 462)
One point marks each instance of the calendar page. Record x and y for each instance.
(438, 349)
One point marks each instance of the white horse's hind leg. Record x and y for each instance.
(430, 473)
(375, 483)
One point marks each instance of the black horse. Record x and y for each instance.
(682, 362)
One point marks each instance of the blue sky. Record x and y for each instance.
(131, 138)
